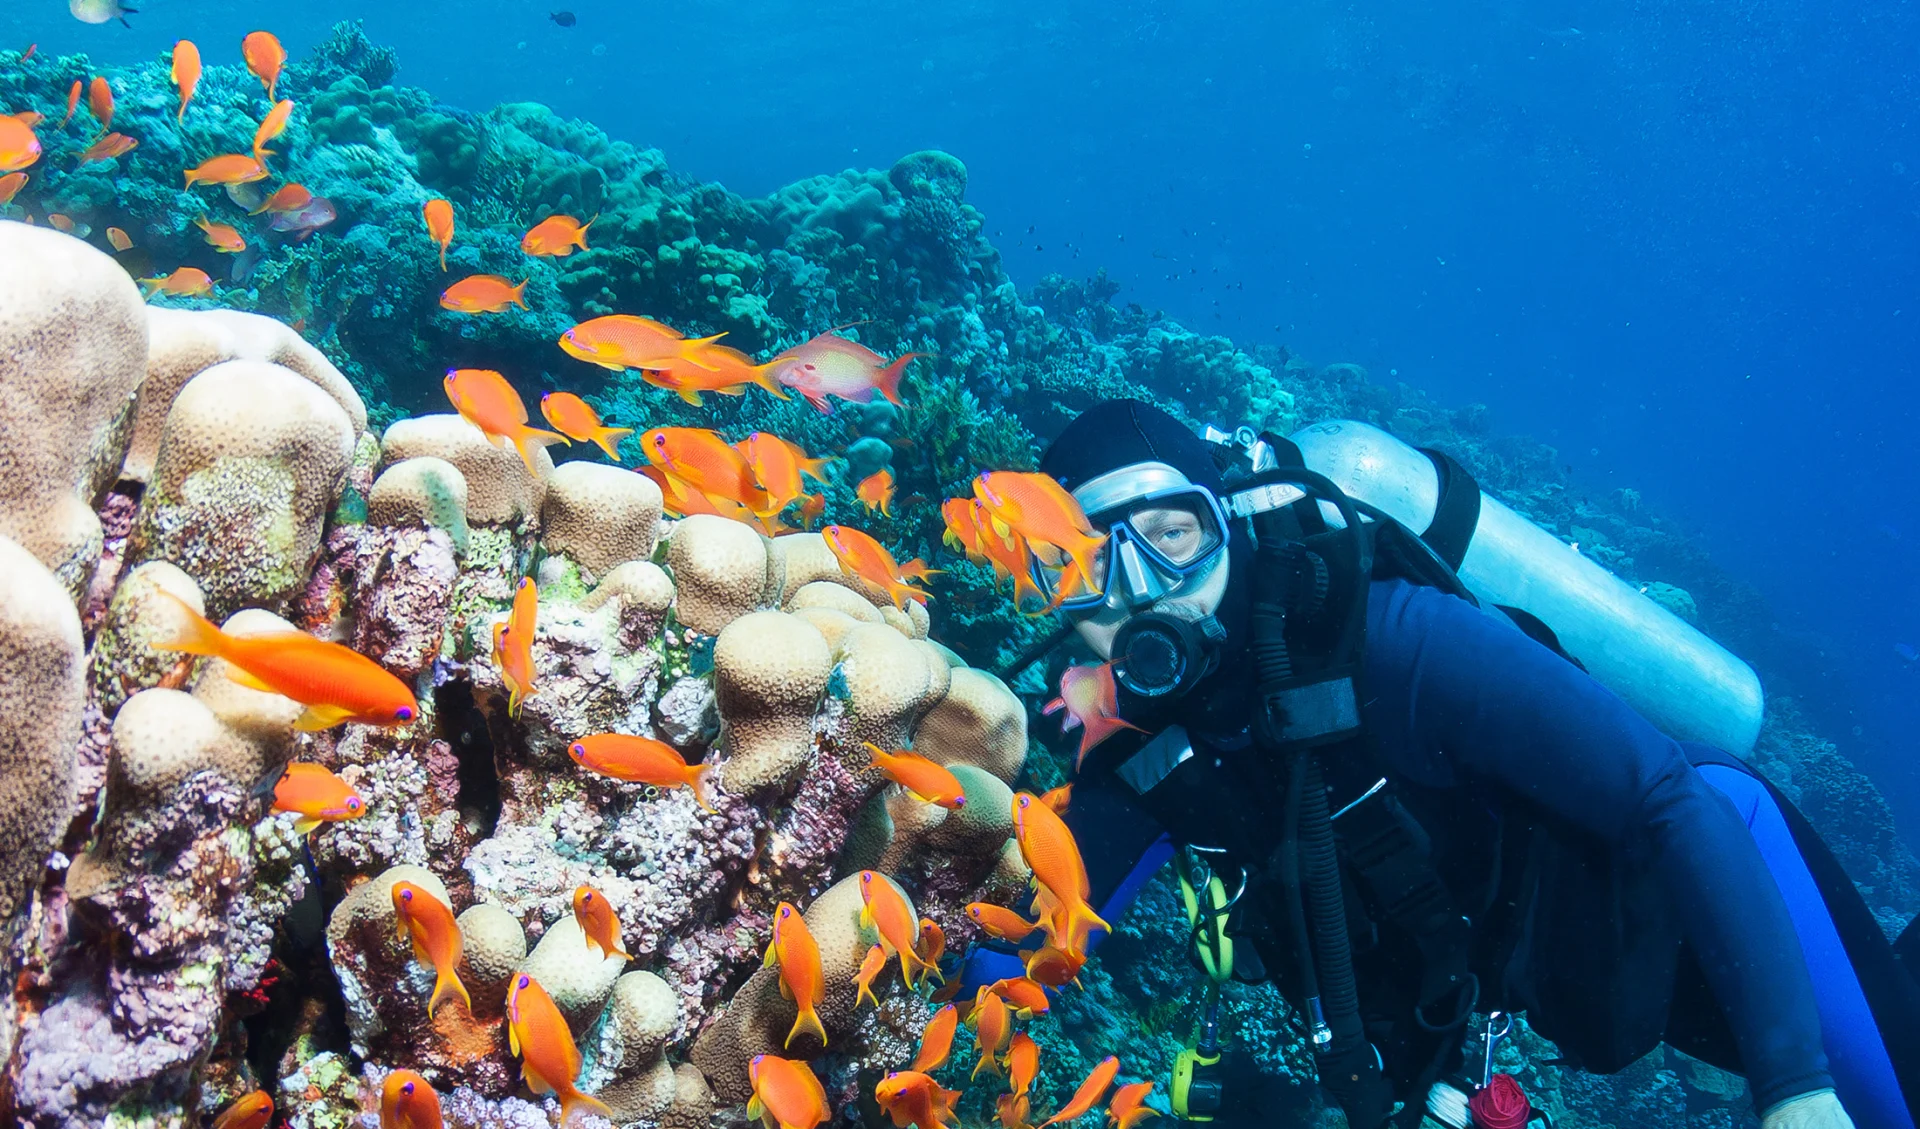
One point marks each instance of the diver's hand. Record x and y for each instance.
(1816, 1110)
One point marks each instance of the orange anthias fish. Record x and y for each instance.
(598, 921)
(317, 796)
(786, 1095)
(876, 491)
(485, 399)
(682, 500)
(274, 125)
(1012, 1110)
(556, 236)
(962, 519)
(870, 968)
(549, 1060)
(802, 979)
(1058, 798)
(186, 73)
(863, 558)
(286, 198)
(100, 101)
(924, 780)
(1042, 511)
(60, 222)
(439, 216)
(1092, 701)
(936, 1040)
(107, 148)
(884, 909)
(707, 367)
(10, 186)
(1000, 922)
(121, 240)
(641, 760)
(251, 1111)
(1023, 1062)
(428, 923)
(19, 148)
(623, 341)
(483, 294)
(910, 1097)
(575, 418)
(264, 57)
(228, 168)
(1049, 849)
(408, 1101)
(1052, 967)
(1128, 1107)
(992, 1026)
(335, 683)
(73, 101)
(222, 237)
(513, 644)
(778, 464)
(703, 460)
(1009, 554)
(932, 944)
(1089, 1093)
(830, 365)
(186, 282)
(1026, 997)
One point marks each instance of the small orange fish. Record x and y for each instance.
(513, 644)
(60, 222)
(121, 240)
(100, 102)
(483, 294)
(222, 237)
(1128, 1107)
(1013, 1111)
(19, 148)
(786, 1095)
(1089, 1093)
(1008, 553)
(264, 57)
(992, 1027)
(1092, 702)
(28, 53)
(963, 530)
(683, 500)
(870, 968)
(598, 921)
(1023, 1062)
(884, 909)
(335, 683)
(794, 952)
(107, 148)
(408, 1101)
(778, 464)
(1000, 922)
(1058, 798)
(623, 341)
(1042, 511)
(575, 418)
(864, 558)
(251, 1111)
(317, 796)
(186, 282)
(1053, 967)
(936, 1040)
(1048, 846)
(556, 236)
(273, 126)
(703, 460)
(229, 168)
(10, 186)
(286, 198)
(932, 944)
(186, 73)
(924, 780)
(428, 922)
(706, 367)
(73, 101)
(1026, 997)
(830, 365)
(912, 1098)
(641, 760)
(876, 491)
(439, 216)
(549, 1060)
(485, 399)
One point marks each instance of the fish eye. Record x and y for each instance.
(407, 1088)
(523, 981)
(404, 713)
(578, 749)
(959, 801)
(587, 898)
(353, 803)
(406, 895)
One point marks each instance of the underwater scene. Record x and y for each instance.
(950, 603)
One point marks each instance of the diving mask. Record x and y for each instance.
(1163, 534)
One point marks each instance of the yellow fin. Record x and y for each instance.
(322, 717)
(809, 1020)
(235, 674)
(305, 825)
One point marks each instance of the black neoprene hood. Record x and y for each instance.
(1117, 433)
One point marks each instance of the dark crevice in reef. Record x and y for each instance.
(465, 729)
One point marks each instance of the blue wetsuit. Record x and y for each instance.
(1458, 697)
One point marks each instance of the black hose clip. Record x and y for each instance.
(1468, 996)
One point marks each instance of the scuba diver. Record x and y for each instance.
(1433, 811)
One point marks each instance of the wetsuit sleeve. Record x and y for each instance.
(1457, 696)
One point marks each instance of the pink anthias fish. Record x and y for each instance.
(1092, 702)
(304, 221)
(830, 365)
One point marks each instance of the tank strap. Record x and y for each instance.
(1456, 513)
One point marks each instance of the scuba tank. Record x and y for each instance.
(1680, 680)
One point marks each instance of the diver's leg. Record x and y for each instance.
(1863, 1073)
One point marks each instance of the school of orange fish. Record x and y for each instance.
(1011, 519)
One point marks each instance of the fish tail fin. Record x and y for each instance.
(889, 380)
(527, 440)
(816, 467)
(520, 293)
(697, 779)
(443, 258)
(572, 1101)
(197, 636)
(1076, 922)
(151, 286)
(609, 440)
(447, 986)
(808, 1020)
(763, 376)
(987, 1062)
(580, 240)
(1023, 587)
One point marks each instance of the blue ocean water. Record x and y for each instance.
(1677, 241)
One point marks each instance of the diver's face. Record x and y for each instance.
(1197, 599)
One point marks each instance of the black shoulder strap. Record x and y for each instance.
(1457, 512)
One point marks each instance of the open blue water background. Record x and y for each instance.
(1680, 241)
